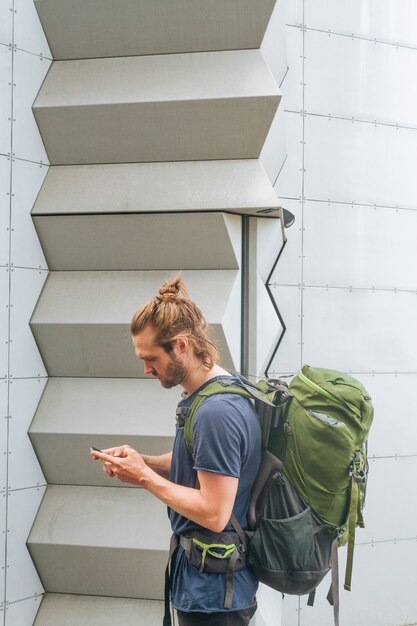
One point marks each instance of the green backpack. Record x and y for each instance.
(309, 493)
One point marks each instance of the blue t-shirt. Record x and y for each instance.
(227, 441)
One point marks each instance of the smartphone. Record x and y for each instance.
(93, 449)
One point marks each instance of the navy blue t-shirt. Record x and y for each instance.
(227, 441)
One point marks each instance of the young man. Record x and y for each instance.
(170, 336)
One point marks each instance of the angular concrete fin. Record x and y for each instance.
(75, 413)
(234, 186)
(129, 242)
(207, 105)
(87, 28)
(95, 541)
(81, 321)
(68, 610)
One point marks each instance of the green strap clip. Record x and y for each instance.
(216, 550)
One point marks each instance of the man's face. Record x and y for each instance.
(168, 367)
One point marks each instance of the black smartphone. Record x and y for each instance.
(93, 449)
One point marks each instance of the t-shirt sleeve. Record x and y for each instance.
(218, 437)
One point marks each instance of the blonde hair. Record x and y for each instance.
(171, 315)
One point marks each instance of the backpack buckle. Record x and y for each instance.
(181, 415)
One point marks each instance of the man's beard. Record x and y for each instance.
(174, 375)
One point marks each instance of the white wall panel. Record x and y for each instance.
(394, 21)
(274, 150)
(269, 328)
(273, 46)
(383, 590)
(393, 397)
(29, 72)
(4, 321)
(3, 441)
(28, 32)
(361, 79)
(5, 98)
(24, 468)
(3, 498)
(269, 607)
(22, 578)
(289, 183)
(6, 21)
(25, 360)
(292, 87)
(288, 268)
(359, 246)
(287, 359)
(360, 330)
(385, 475)
(4, 209)
(352, 161)
(269, 242)
(26, 250)
(23, 612)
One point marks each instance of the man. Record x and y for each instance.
(170, 336)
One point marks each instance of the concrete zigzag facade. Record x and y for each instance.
(154, 140)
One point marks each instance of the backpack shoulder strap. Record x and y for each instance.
(216, 387)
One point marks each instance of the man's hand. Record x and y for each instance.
(122, 462)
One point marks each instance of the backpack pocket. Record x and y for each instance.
(284, 544)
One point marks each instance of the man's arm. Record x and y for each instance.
(210, 505)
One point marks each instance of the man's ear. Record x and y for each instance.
(182, 344)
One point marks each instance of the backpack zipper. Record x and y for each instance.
(319, 389)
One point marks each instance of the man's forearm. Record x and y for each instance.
(160, 464)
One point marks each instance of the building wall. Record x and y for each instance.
(24, 61)
(346, 281)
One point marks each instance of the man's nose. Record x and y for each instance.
(148, 369)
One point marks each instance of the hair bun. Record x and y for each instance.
(171, 290)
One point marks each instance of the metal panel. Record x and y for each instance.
(86, 28)
(75, 413)
(219, 105)
(360, 330)
(129, 242)
(269, 328)
(364, 246)
(28, 32)
(370, 585)
(269, 243)
(4, 211)
(273, 46)
(384, 477)
(360, 162)
(289, 266)
(392, 395)
(364, 17)
(292, 87)
(288, 357)
(22, 612)
(3, 442)
(274, 151)
(103, 542)
(29, 72)
(26, 250)
(24, 468)
(289, 183)
(25, 360)
(6, 22)
(381, 90)
(67, 610)
(3, 531)
(5, 98)
(22, 578)
(4, 322)
(234, 186)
